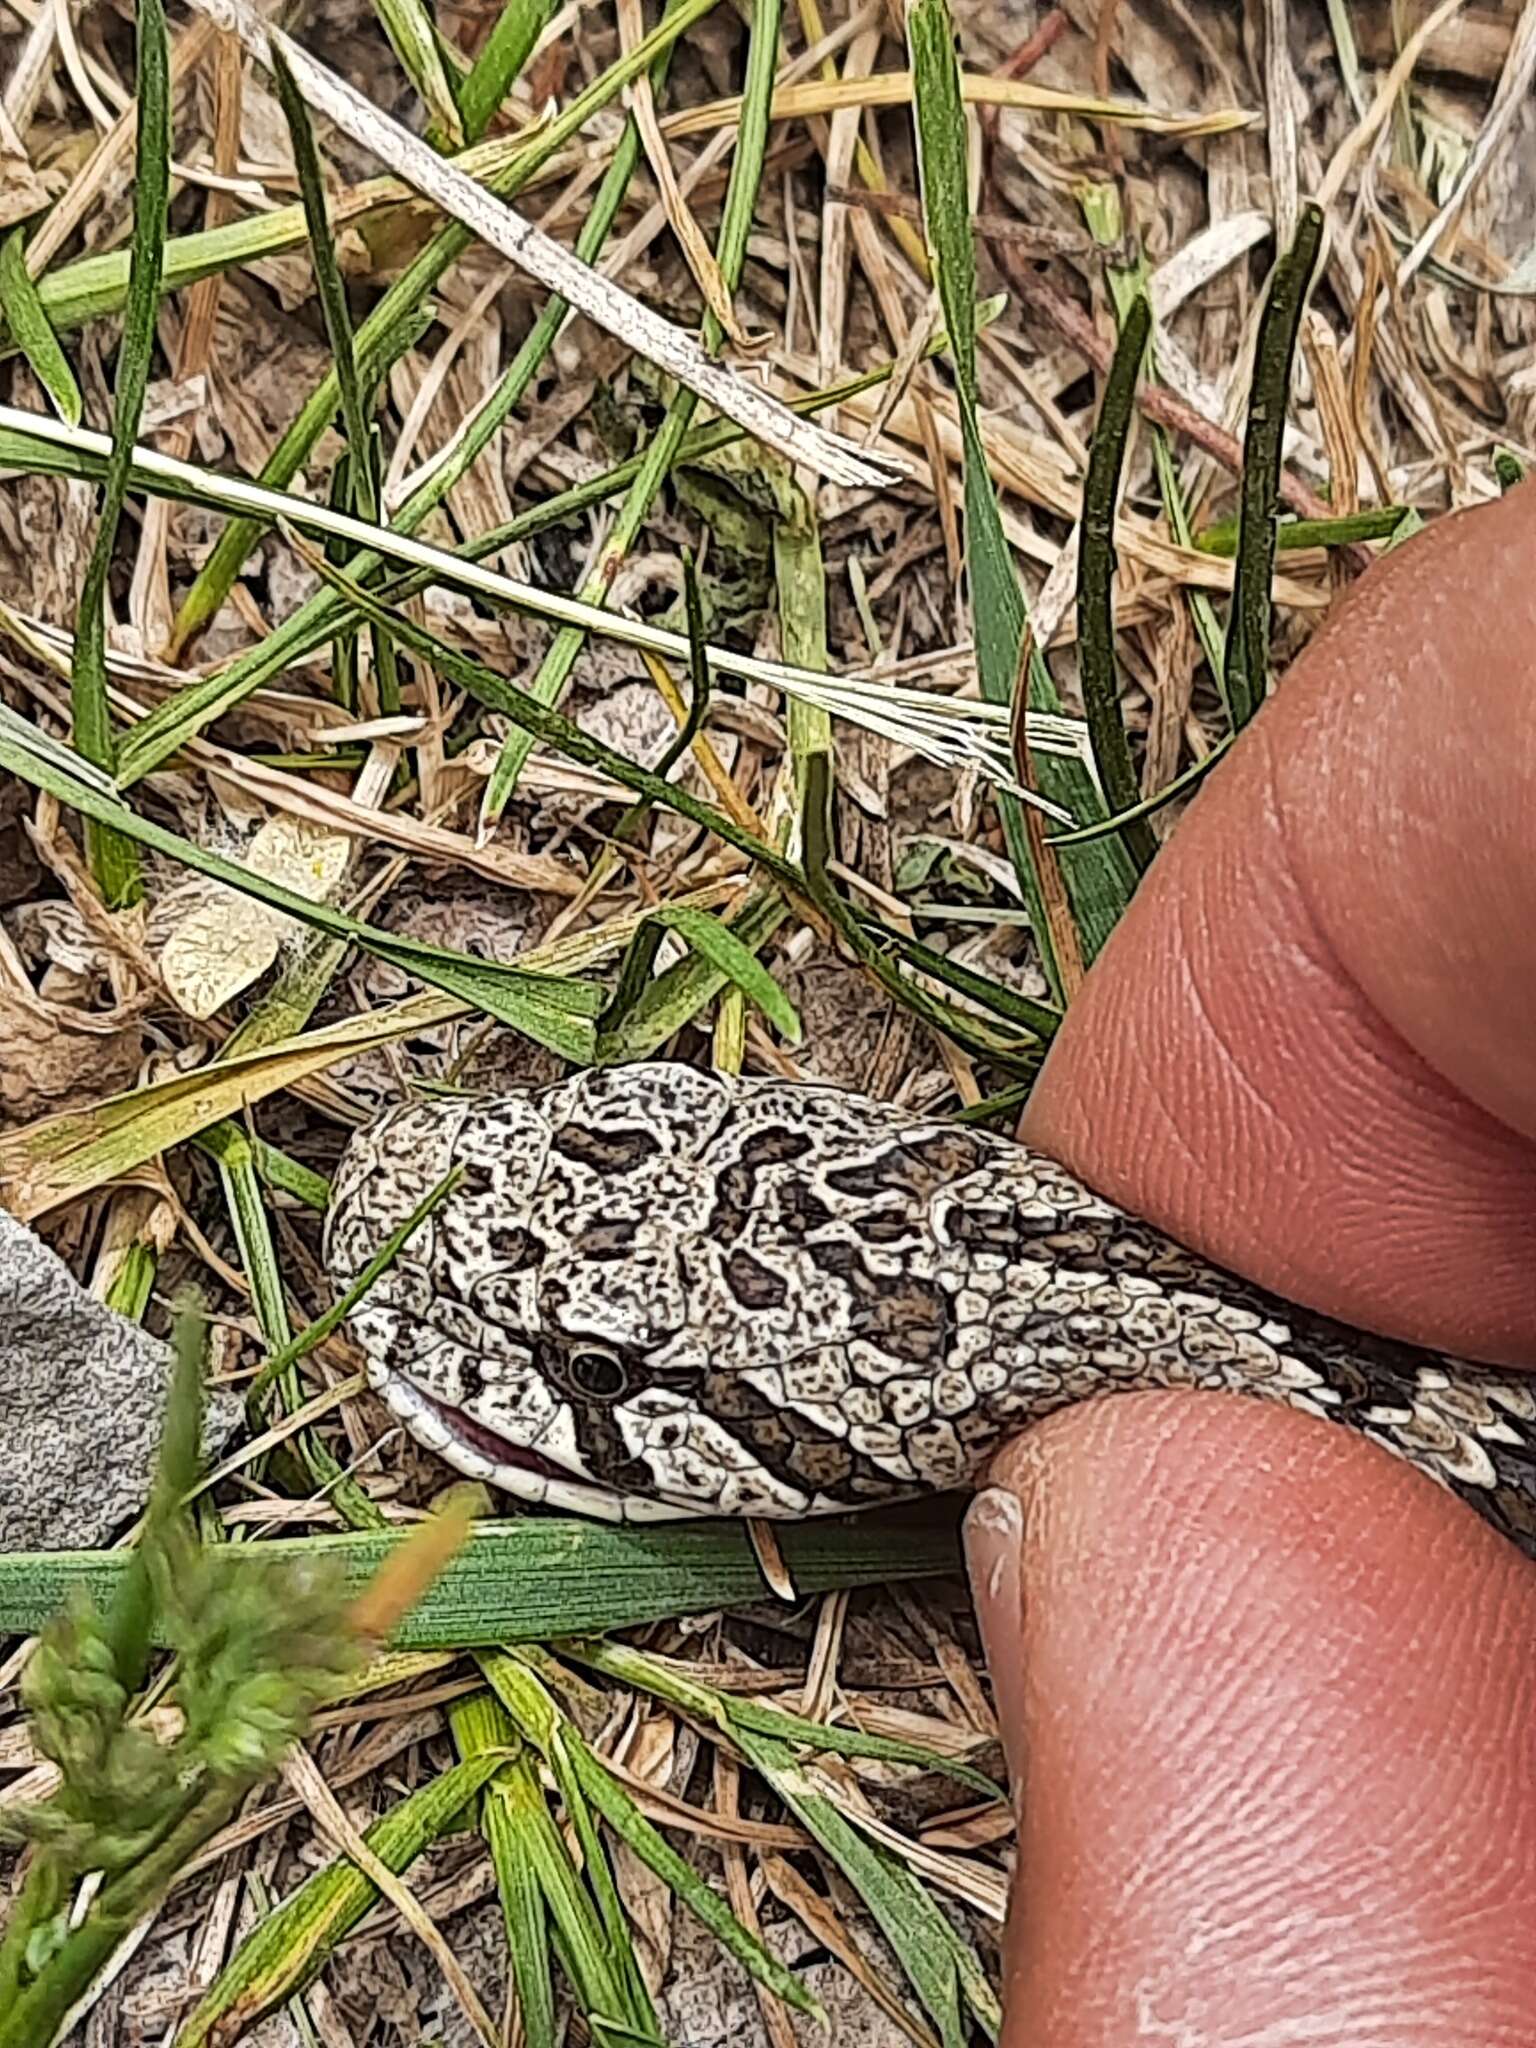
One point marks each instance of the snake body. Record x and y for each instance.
(657, 1292)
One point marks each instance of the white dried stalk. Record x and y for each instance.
(1512, 93)
(542, 257)
(949, 730)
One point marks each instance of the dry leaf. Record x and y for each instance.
(52, 1057)
(226, 940)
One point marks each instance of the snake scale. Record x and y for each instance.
(657, 1292)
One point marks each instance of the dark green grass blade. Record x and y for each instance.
(1095, 585)
(1247, 662)
(502, 56)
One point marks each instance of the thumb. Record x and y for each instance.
(1267, 1700)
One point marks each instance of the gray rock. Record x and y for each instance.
(82, 1396)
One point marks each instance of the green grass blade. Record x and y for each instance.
(627, 830)
(407, 293)
(114, 861)
(286, 1175)
(329, 287)
(596, 1946)
(231, 1149)
(1181, 785)
(619, 1810)
(1099, 878)
(657, 460)
(130, 1618)
(666, 1002)
(1127, 282)
(502, 56)
(134, 1281)
(585, 1783)
(1095, 584)
(911, 1923)
(1374, 522)
(481, 1727)
(719, 945)
(800, 582)
(32, 331)
(528, 1580)
(413, 38)
(1247, 662)
(282, 1011)
(643, 1672)
(291, 1946)
(294, 1348)
(355, 482)
(1039, 1019)
(636, 972)
(546, 1882)
(240, 1182)
(973, 1033)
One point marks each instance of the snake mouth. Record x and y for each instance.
(502, 1450)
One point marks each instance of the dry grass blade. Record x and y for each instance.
(898, 89)
(947, 728)
(1513, 94)
(311, 1788)
(32, 331)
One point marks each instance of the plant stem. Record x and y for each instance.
(33, 2019)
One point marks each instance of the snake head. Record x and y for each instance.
(656, 1292)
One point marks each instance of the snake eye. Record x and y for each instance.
(598, 1375)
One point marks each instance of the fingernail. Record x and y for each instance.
(994, 1541)
(994, 1530)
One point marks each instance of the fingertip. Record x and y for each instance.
(1304, 1050)
(1269, 1740)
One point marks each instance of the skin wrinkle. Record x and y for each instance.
(1230, 1067)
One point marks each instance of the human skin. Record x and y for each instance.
(1267, 1694)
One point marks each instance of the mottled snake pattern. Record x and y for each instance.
(657, 1292)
